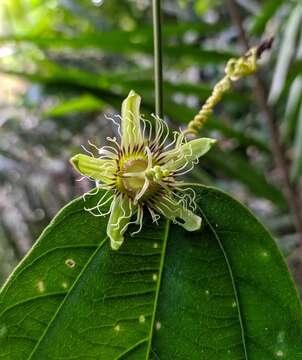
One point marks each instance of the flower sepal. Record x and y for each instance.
(187, 153)
(97, 169)
(178, 213)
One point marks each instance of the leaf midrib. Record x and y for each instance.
(243, 336)
(65, 299)
(161, 266)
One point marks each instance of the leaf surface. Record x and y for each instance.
(297, 163)
(223, 292)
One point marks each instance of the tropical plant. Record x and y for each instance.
(221, 292)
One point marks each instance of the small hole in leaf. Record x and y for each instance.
(70, 263)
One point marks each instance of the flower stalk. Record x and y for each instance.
(158, 57)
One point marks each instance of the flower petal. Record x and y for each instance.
(174, 211)
(131, 131)
(186, 153)
(121, 213)
(97, 169)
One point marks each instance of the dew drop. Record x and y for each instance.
(155, 245)
(64, 285)
(264, 254)
(41, 286)
(207, 292)
(234, 304)
(117, 328)
(142, 319)
(158, 325)
(279, 353)
(154, 277)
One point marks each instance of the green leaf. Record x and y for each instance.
(292, 108)
(83, 103)
(117, 86)
(267, 12)
(51, 73)
(236, 166)
(223, 292)
(296, 169)
(293, 91)
(286, 53)
(122, 43)
(183, 114)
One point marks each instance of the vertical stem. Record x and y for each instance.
(158, 57)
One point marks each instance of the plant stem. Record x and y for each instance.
(290, 189)
(158, 57)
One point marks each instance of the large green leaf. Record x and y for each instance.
(220, 293)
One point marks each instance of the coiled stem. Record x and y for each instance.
(235, 70)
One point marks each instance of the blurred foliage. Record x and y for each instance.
(65, 64)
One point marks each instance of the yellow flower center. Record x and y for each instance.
(132, 178)
(134, 184)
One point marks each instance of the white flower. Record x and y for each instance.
(141, 173)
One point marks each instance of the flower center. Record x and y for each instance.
(132, 179)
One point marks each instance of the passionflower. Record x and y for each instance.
(140, 173)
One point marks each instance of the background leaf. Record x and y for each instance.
(80, 104)
(222, 292)
(287, 51)
(269, 8)
(297, 163)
